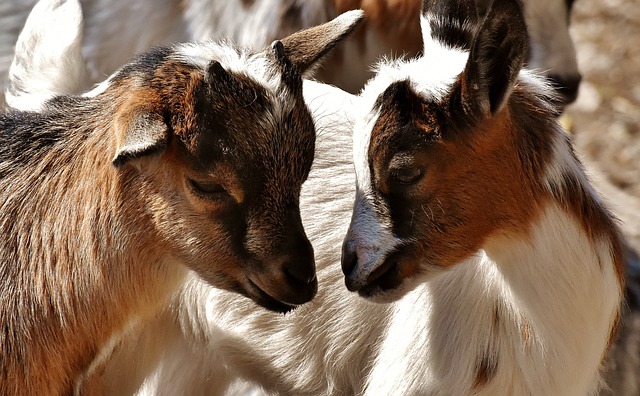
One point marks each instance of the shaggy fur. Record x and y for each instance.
(326, 346)
(514, 312)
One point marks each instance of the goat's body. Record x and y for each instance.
(492, 328)
(65, 238)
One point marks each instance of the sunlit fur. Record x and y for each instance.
(467, 331)
(208, 338)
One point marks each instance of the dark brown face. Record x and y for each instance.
(234, 154)
(244, 172)
(227, 141)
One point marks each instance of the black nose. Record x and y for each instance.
(300, 264)
(349, 257)
(566, 86)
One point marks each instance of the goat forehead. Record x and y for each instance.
(430, 77)
(233, 59)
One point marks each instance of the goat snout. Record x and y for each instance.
(370, 275)
(289, 277)
(349, 262)
(349, 257)
(356, 269)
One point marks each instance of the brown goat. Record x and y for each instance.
(211, 145)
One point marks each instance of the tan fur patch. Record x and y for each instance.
(397, 22)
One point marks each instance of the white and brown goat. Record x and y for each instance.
(190, 156)
(465, 182)
(473, 221)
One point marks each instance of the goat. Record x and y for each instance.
(190, 156)
(500, 270)
(466, 182)
(116, 30)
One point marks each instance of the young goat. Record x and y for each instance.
(472, 207)
(189, 156)
(464, 181)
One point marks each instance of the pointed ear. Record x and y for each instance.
(139, 132)
(306, 47)
(497, 54)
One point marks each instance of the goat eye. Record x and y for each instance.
(208, 189)
(406, 175)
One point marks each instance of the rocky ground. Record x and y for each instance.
(605, 119)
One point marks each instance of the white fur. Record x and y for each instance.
(48, 60)
(557, 284)
(425, 343)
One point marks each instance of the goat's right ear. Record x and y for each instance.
(140, 132)
(306, 47)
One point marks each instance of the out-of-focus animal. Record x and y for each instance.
(115, 30)
(188, 157)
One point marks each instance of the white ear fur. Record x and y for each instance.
(47, 57)
(139, 133)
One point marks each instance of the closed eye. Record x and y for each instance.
(209, 190)
(406, 175)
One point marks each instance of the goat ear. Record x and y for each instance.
(306, 47)
(496, 57)
(139, 133)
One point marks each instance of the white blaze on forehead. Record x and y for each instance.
(258, 66)
(430, 76)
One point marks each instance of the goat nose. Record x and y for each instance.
(349, 257)
(566, 86)
(301, 266)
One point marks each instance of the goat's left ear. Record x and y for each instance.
(496, 57)
(306, 47)
(140, 132)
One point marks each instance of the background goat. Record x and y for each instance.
(116, 30)
(210, 144)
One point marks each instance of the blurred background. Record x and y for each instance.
(605, 118)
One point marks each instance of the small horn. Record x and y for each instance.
(290, 74)
(217, 71)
